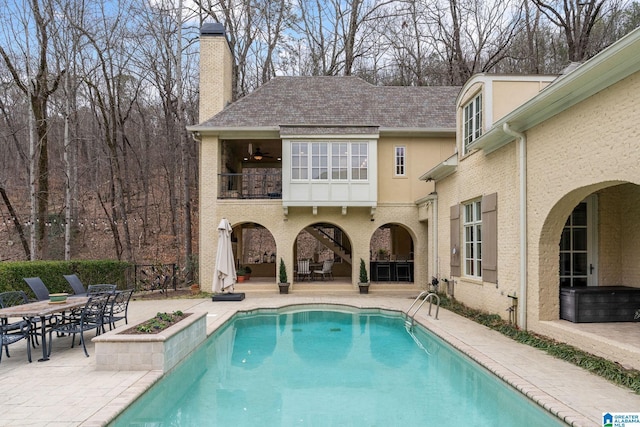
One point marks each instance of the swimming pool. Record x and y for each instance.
(334, 366)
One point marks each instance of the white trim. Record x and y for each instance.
(404, 160)
(592, 240)
(476, 207)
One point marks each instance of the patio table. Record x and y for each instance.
(42, 309)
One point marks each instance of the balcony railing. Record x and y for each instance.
(250, 185)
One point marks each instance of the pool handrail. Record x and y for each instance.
(429, 297)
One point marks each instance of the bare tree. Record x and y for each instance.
(335, 31)
(67, 47)
(473, 36)
(113, 90)
(37, 89)
(577, 19)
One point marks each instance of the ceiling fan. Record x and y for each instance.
(258, 155)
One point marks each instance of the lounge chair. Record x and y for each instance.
(38, 287)
(76, 284)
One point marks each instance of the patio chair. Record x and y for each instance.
(38, 287)
(76, 284)
(118, 308)
(326, 271)
(383, 271)
(11, 333)
(13, 298)
(100, 289)
(303, 269)
(403, 271)
(91, 318)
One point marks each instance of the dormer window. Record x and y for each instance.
(472, 124)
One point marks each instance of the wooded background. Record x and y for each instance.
(96, 161)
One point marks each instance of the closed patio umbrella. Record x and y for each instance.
(225, 274)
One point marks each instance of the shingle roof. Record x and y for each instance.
(340, 101)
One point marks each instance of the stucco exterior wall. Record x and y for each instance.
(501, 94)
(356, 225)
(509, 94)
(421, 154)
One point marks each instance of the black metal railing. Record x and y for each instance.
(250, 185)
(151, 277)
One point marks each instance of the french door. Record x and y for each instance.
(578, 246)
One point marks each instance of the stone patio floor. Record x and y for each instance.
(67, 390)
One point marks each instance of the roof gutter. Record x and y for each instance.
(522, 155)
(441, 170)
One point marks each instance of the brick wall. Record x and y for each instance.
(593, 148)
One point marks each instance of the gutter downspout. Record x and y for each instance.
(434, 231)
(522, 303)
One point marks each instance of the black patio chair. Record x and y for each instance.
(11, 333)
(101, 289)
(13, 298)
(76, 284)
(118, 308)
(38, 287)
(91, 318)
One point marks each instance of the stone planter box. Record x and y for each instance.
(148, 352)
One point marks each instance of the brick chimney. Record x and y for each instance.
(216, 63)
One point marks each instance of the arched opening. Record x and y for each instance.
(254, 248)
(391, 254)
(322, 252)
(589, 253)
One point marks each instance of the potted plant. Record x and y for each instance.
(240, 273)
(363, 283)
(283, 284)
(247, 272)
(195, 289)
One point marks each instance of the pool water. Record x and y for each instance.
(330, 367)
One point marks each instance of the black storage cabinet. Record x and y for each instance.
(599, 304)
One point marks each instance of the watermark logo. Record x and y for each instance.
(621, 419)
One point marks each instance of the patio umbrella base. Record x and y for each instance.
(228, 297)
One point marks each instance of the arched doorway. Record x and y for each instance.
(254, 247)
(323, 246)
(391, 254)
(588, 241)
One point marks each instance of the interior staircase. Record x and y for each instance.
(327, 241)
